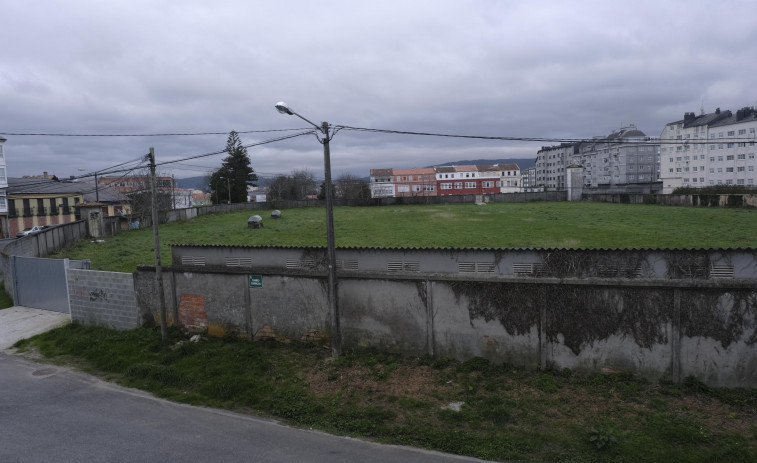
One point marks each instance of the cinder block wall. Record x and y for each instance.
(103, 298)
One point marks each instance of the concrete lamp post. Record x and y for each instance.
(336, 334)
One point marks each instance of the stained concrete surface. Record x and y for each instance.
(19, 322)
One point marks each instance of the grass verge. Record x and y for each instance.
(471, 408)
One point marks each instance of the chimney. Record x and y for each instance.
(717, 111)
(44, 175)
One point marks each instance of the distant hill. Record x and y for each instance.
(193, 183)
(523, 163)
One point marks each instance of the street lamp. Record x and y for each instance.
(336, 334)
(228, 188)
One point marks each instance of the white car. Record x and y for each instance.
(31, 230)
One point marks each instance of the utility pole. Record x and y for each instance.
(156, 243)
(336, 331)
(97, 189)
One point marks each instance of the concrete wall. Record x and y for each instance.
(746, 200)
(671, 323)
(102, 298)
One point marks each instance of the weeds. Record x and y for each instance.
(507, 413)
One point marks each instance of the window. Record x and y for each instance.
(470, 184)
(750, 181)
(458, 185)
(729, 157)
(729, 182)
(686, 180)
(487, 184)
(712, 170)
(694, 180)
(742, 131)
(416, 188)
(445, 186)
(740, 169)
(729, 169)
(428, 187)
(720, 158)
(671, 159)
(741, 156)
(740, 181)
(720, 146)
(750, 168)
(730, 145)
(712, 147)
(720, 134)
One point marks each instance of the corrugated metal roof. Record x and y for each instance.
(378, 248)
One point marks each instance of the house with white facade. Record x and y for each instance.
(709, 149)
(381, 183)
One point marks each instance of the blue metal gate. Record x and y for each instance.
(41, 283)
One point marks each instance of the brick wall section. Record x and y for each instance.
(192, 315)
(103, 298)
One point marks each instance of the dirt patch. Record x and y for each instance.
(362, 383)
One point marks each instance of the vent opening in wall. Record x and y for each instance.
(350, 265)
(192, 260)
(239, 262)
(627, 271)
(403, 266)
(725, 271)
(300, 263)
(528, 268)
(475, 267)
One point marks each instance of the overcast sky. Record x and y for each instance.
(551, 69)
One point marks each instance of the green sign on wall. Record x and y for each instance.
(256, 281)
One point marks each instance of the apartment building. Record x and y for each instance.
(709, 149)
(446, 180)
(626, 160)
(414, 182)
(3, 188)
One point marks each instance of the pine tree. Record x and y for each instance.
(235, 173)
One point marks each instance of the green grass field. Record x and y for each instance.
(534, 224)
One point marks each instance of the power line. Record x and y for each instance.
(190, 134)
(272, 140)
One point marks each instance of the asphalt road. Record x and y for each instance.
(51, 413)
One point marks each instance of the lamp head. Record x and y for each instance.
(283, 108)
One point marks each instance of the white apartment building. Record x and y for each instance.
(3, 188)
(710, 149)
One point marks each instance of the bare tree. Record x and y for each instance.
(349, 186)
